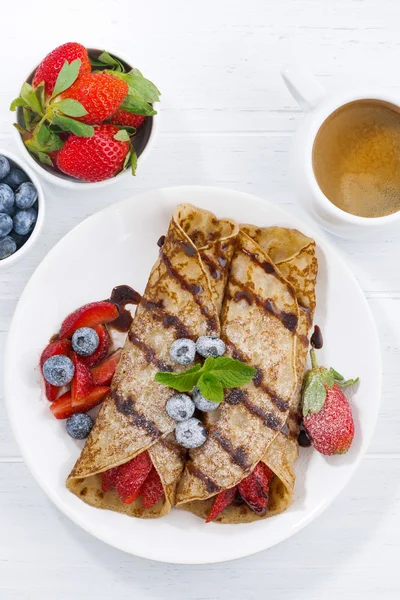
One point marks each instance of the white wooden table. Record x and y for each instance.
(227, 120)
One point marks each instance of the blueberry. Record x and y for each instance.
(6, 224)
(208, 345)
(85, 341)
(190, 433)
(180, 407)
(79, 426)
(7, 247)
(4, 166)
(6, 199)
(202, 403)
(183, 351)
(58, 370)
(26, 195)
(15, 178)
(24, 221)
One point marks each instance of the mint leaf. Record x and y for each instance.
(183, 382)
(210, 387)
(17, 102)
(29, 96)
(122, 136)
(314, 393)
(138, 106)
(76, 127)
(133, 161)
(232, 373)
(66, 77)
(71, 107)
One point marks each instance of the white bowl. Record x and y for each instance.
(65, 181)
(21, 164)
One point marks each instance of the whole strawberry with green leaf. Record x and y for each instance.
(327, 415)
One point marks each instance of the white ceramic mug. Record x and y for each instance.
(312, 98)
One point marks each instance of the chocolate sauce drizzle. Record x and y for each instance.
(121, 296)
(237, 455)
(210, 484)
(281, 404)
(211, 266)
(317, 340)
(126, 407)
(237, 396)
(168, 320)
(149, 353)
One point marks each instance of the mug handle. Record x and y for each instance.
(304, 88)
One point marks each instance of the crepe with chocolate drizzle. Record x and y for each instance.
(266, 317)
(183, 298)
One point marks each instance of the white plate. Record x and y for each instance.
(116, 246)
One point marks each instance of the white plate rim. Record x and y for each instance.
(74, 515)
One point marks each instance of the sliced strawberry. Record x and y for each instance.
(103, 373)
(222, 501)
(89, 315)
(109, 479)
(56, 347)
(152, 490)
(131, 476)
(254, 489)
(62, 407)
(82, 383)
(101, 350)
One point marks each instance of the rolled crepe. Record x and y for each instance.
(268, 312)
(183, 298)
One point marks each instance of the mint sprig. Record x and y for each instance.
(211, 378)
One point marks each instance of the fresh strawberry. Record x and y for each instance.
(327, 414)
(103, 373)
(62, 407)
(222, 501)
(126, 118)
(152, 490)
(131, 476)
(101, 350)
(56, 347)
(100, 94)
(93, 158)
(254, 489)
(82, 382)
(50, 66)
(89, 315)
(109, 479)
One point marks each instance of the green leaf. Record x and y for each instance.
(348, 382)
(28, 94)
(67, 124)
(210, 387)
(314, 393)
(29, 118)
(126, 161)
(122, 136)
(133, 161)
(17, 102)
(40, 95)
(71, 107)
(44, 140)
(45, 159)
(140, 86)
(232, 373)
(66, 77)
(19, 128)
(106, 59)
(183, 382)
(42, 135)
(138, 106)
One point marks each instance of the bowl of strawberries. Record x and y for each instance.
(85, 117)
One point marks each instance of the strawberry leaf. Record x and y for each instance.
(126, 161)
(136, 105)
(39, 91)
(17, 102)
(210, 387)
(68, 124)
(21, 130)
(66, 77)
(133, 162)
(140, 86)
(122, 136)
(45, 158)
(105, 60)
(314, 393)
(28, 94)
(70, 107)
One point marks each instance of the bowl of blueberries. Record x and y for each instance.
(21, 208)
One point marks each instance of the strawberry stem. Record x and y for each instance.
(313, 356)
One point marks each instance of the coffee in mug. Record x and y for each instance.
(356, 158)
